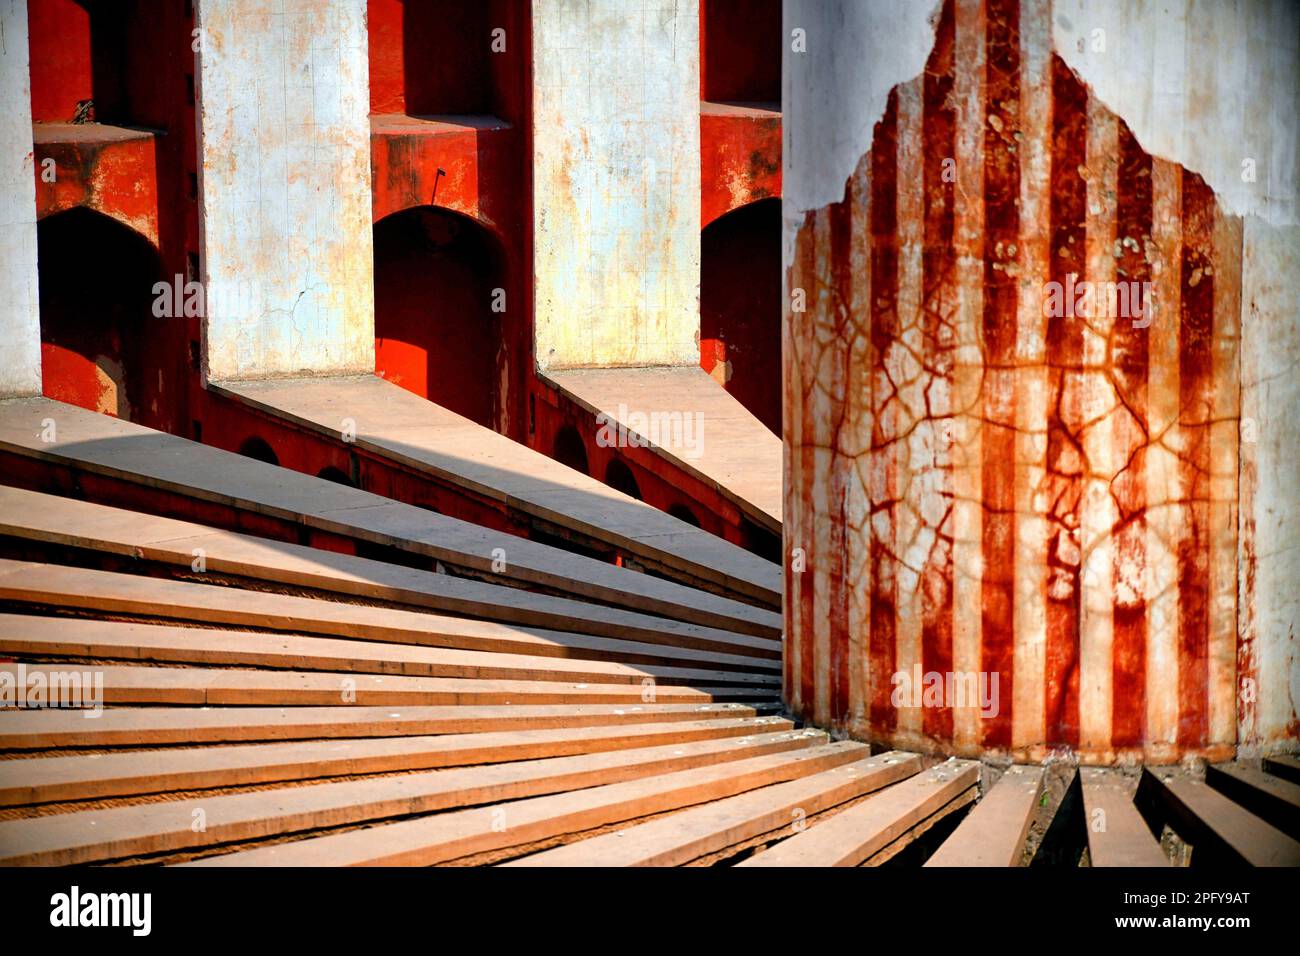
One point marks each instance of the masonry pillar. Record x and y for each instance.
(616, 144)
(285, 185)
(1040, 396)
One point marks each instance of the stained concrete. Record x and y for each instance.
(283, 99)
(1216, 88)
(20, 324)
(1203, 86)
(616, 117)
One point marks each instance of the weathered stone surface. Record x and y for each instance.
(1013, 399)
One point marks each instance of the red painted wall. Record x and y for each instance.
(435, 57)
(740, 158)
(740, 180)
(436, 334)
(95, 281)
(740, 307)
(59, 37)
(99, 168)
(740, 50)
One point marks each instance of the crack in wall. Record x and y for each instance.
(1074, 477)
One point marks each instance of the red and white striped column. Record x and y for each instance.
(1011, 411)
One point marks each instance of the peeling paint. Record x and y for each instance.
(1206, 84)
(863, 46)
(979, 487)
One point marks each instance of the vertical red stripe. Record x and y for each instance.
(826, 256)
(1001, 228)
(1129, 357)
(841, 238)
(939, 309)
(1065, 455)
(1196, 397)
(884, 303)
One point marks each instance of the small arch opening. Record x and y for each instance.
(761, 541)
(336, 475)
(619, 477)
(96, 281)
(570, 450)
(439, 287)
(259, 449)
(683, 513)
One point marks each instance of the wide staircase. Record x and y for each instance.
(453, 696)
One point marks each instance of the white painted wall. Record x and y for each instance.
(20, 321)
(284, 99)
(1269, 520)
(1206, 83)
(616, 182)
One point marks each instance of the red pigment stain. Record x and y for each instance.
(1129, 356)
